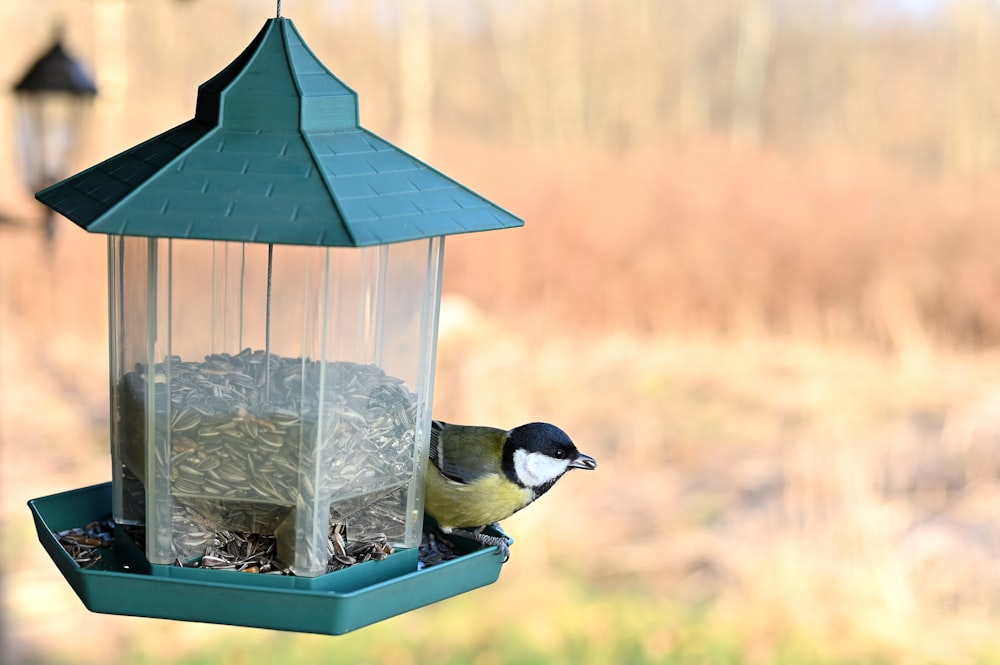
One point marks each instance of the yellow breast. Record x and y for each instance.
(486, 500)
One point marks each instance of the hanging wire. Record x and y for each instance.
(279, 8)
(267, 322)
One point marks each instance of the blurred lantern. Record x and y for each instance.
(52, 97)
(274, 278)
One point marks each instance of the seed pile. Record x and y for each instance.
(243, 434)
(435, 550)
(84, 543)
(253, 553)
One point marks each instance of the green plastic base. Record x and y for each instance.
(124, 582)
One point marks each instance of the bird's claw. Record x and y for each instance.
(501, 542)
(499, 529)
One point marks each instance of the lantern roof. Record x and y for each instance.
(275, 154)
(56, 71)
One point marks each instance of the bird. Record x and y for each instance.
(478, 476)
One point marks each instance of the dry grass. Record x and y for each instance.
(710, 238)
(799, 454)
(840, 496)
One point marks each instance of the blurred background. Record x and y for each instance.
(759, 281)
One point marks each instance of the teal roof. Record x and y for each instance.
(274, 154)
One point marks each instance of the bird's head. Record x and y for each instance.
(536, 455)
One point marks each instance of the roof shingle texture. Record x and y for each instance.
(274, 154)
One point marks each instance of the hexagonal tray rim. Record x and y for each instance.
(332, 604)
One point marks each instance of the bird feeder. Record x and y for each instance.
(274, 275)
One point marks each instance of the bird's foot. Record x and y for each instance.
(499, 529)
(501, 542)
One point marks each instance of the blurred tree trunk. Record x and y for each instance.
(974, 108)
(416, 73)
(521, 87)
(861, 117)
(111, 67)
(750, 68)
(539, 50)
(567, 75)
(689, 29)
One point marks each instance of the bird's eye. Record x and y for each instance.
(560, 453)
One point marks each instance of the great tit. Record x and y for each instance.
(481, 475)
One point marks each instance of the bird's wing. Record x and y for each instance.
(463, 453)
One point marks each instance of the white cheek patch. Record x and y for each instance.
(535, 469)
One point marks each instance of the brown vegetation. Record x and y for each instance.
(707, 238)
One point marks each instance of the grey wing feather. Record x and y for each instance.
(461, 457)
(436, 448)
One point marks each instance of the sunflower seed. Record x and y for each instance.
(225, 437)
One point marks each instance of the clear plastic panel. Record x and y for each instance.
(128, 312)
(281, 389)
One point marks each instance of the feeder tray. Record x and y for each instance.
(124, 582)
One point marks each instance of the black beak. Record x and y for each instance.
(583, 462)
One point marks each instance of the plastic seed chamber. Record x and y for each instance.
(274, 276)
(272, 390)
